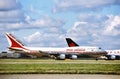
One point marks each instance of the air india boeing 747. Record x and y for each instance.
(58, 53)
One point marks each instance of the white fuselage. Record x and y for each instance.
(113, 52)
(69, 50)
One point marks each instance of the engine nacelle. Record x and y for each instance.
(74, 57)
(62, 56)
(112, 57)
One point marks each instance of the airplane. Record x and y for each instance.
(57, 53)
(111, 54)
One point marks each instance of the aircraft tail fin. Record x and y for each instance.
(13, 42)
(71, 43)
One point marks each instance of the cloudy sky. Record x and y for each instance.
(47, 22)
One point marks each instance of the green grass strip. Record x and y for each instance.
(60, 68)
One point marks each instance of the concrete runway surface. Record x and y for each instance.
(59, 76)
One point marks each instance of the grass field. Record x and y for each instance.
(29, 66)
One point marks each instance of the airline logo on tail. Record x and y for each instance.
(71, 43)
(13, 42)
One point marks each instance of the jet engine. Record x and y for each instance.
(62, 56)
(112, 57)
(74, 57)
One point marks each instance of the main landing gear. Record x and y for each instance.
(96, 59)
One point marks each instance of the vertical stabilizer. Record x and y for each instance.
(71, 43)
(13, 42)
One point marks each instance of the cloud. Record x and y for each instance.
(93, 18)
(12, 16)
(45, 39)
(45, 23)
(6, 5)
(11, 11)
(113, 26)
(79, 5)
(88, 24)
(34, 36)
(12, 26)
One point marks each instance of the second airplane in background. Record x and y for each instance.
(111, 54)
(57, 53)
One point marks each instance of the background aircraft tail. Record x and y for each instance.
(71, 43)
(13, 42)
